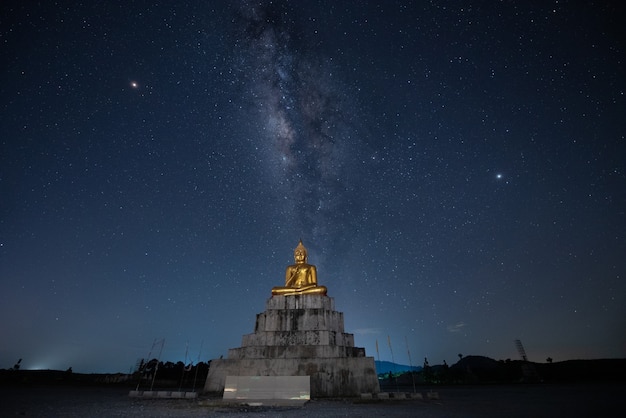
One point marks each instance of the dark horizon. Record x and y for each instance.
(400, 367)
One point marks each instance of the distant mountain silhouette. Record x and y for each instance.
(478, 362)
(387, 366)
(474, 369)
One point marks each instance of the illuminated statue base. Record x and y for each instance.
(300, 335)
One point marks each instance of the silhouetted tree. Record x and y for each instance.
(444, 374)
(427, 373)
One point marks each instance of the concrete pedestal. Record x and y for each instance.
(300, 335)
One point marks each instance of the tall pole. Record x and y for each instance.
(197, 367)
(410, 362)
(182, 378)
(141, 369)
(377, 352)
(156, 367)
(394, 363)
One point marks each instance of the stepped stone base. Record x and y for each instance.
(335, 377)
(300, 335)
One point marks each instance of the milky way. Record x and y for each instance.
(306, 125)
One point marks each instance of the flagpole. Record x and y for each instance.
(377, 352)
(182, 378)
(197, 367)
(162, 341)
(394, 363)
(410, 362)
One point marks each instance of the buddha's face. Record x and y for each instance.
(299, 256)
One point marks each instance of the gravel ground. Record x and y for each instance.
(460, 401)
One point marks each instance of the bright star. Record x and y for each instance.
(499, 176)
(134, 84)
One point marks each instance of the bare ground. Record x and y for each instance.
(581, 400)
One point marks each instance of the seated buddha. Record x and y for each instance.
(300, 278)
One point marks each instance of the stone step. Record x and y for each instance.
(282, 338)
(295, 351)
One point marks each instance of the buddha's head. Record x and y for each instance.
(300, 254)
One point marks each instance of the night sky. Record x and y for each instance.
(457, 171)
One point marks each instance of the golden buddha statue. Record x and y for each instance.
(300, 278)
